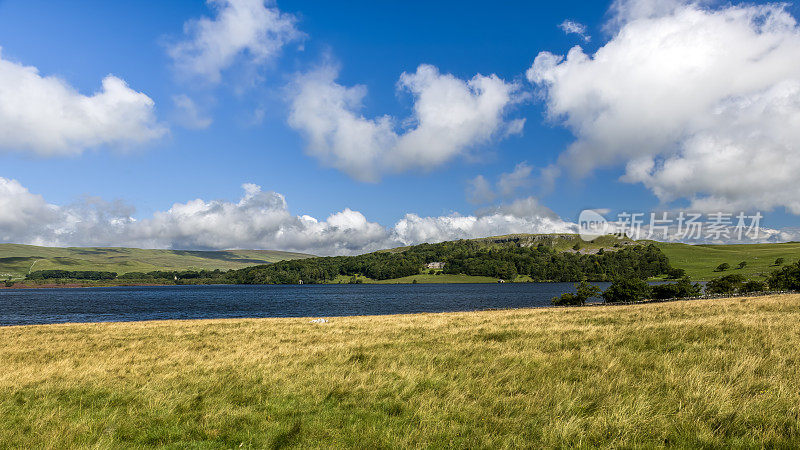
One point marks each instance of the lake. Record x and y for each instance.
(116, 304)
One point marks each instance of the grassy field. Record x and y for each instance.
(705, 373)
(699, 261)
(17, 260)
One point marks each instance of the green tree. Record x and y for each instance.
(779, 261)
(627, 290)
(751, 286)
(742, 264)
(722, 267)
(725, 285)
(786, 278)
(684, 288)
(584, 291)
(566, 299)
(676, 274)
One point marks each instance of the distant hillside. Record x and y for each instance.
(17, 260)
(516, 258)
(559, 242)
(699, 261)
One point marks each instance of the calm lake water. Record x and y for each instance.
(40, 306)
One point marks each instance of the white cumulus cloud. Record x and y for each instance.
(46, 116)
(262, 220)
(450, 117)
(259, 220)
(525, 215)
(700, 103)
(252, 31)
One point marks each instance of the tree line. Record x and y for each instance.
(539, 263)
(634, 289)
(71, 274)
(153, 276)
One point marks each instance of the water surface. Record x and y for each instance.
(116, 304)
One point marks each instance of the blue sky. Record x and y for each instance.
(244, 131)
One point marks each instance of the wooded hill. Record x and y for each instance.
(502, 258)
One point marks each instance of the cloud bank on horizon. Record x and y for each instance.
(258, 220)
(261, 220)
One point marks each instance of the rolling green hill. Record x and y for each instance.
(699, 261)
(17, 260)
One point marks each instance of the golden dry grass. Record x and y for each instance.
(705, 373)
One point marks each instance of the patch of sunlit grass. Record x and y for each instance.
(713, 373)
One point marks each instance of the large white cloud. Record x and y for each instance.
(47, 116)
(450, 117)
(699, 103)
(241, 30)
(258, 220)
(522, 216)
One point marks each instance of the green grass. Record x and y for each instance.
(17, 260)
(697, 374)
(699, 261)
